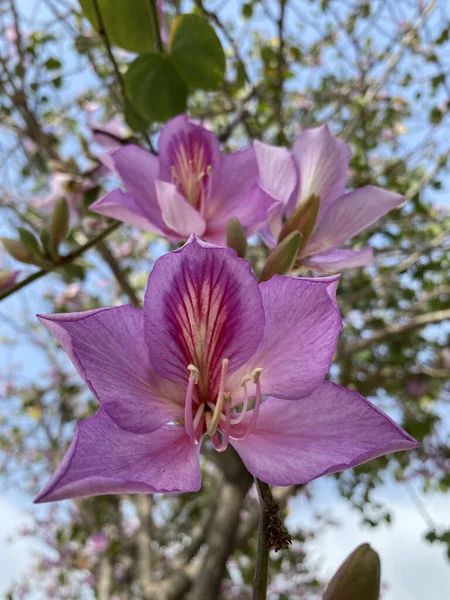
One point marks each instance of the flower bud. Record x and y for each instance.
(18, 251)
(7, 279)
(30, 242)
(282, 258)
(236, 237)
(357, 578)
(303, 219)
(59, 225)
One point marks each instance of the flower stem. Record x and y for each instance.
(271, 534)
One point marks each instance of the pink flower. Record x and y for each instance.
(65, 185)
(312, 178)
(213, 353)
(190, 187)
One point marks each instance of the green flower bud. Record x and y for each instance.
(59, 225)
(30, 242)
(282, 258)
(303, 219)
(358, 578)
(18, 251)
(236, 237)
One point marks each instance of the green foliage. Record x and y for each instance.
(127, 23)
(197, 53)
(155, 88)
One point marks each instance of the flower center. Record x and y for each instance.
(191, 173)
(216, 417)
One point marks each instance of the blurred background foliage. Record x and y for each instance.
(377, 71)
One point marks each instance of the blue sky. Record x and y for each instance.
(414, 569)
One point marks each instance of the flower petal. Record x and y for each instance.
(331, 430)
(349, 215)
(323, 163)
(202, 305)
(122, 206)
(105, 459)
(334, 261)
(301, 331)
(190, 152)
(139, 170)
(177, 213)
(277, 171)
(108, 349)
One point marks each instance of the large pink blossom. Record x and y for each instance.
(213, 353)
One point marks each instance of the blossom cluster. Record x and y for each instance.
(215, 355)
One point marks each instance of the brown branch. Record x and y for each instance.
(395, 330)
(143, 543)
(105, 575)
(280, 75)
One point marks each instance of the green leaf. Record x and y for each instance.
(155, 88)
(52, 64)
(197, 52)
(127, 23)
(133, 119)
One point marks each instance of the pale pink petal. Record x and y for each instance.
(277, 171)
(178, 215)
(105, 459)
(302, 325)
(331, 430)
(349, 215)
(322, 161)
(333, 261)
(108, 349)
(122, 206)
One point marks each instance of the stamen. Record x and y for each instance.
(225, 433)
(255, 412)
(188, 424)
(242, 414)
(198, 415)
(220, 398)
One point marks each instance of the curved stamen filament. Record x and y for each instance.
(255, 412)
(188, 424)
(242, 414)
(212, 427)
(220, 447)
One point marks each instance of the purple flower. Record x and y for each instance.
(189, 188)
(315, 172)
(213, 353)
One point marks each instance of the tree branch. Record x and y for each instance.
(62, 261)
(395, 330)
(143, 543)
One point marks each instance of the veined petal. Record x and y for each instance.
(189, 156)
(105, 459)
(108, 349)
(178, 215)
(139, 170)
(331, 430)
(202, 305)
(333, 261)
(238, 173)
(122, 206)
(349, 215)
(277, 171)
(322, 161)
(252, 210)
(301, 331)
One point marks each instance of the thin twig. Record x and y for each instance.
(154, 17)
(107, 255)
(62, 261)
(104, 35)
(271, 534)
